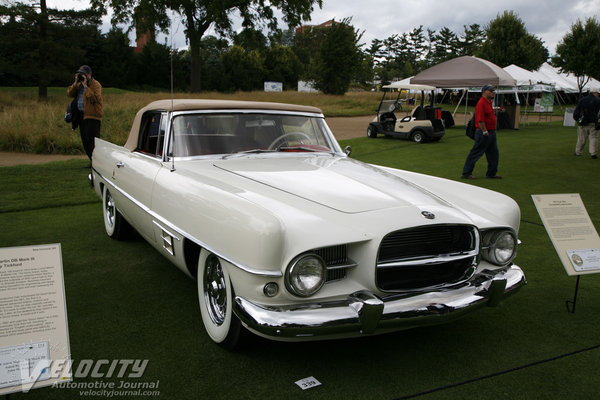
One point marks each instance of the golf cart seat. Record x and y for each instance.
(388, 121)
(418, 113)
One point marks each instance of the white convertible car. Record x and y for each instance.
(290, 238)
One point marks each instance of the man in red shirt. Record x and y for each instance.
(485, 137)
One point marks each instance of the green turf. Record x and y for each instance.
(126, 302)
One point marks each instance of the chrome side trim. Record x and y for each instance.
(363, 312)
(165, 230)
(167, 238)
(181, 232)
(349, 264)
(129, 197)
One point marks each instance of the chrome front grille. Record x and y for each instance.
(426, 256)
(336, 260)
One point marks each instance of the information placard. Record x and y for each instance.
(33, 317)
(571, 230)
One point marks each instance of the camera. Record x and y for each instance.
(80, 77)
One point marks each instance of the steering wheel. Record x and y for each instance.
(395, 106)
(272, 145)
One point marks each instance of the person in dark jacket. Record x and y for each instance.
(586, 115)
(88, 93)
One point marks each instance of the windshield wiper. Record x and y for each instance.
(297, 148)
(242, 153)
(304, 148)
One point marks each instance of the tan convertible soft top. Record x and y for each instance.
(206, 104)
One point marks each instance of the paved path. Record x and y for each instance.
(342, 128)
(9, 159)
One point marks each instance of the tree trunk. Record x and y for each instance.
(195, 65)
(42, 51)
(195, 31)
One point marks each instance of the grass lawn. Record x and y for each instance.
(124, 302)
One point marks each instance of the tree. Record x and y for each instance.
(213, 75)
(251, 39)
(283, 37)
(42, 45)
(282, 65)
(579, 51)
(472, 40)
(199, 15)
(153, 66)
(113, 58)
(337, 59)
(444, 47)
(416, 45)
(391, 57)
(509, 43)
(243, 69)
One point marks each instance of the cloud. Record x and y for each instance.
(549, 20)
(383, 18)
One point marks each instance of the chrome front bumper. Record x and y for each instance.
(364, 313)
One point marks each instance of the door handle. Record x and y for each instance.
(120, 164)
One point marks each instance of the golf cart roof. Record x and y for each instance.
(408, 86)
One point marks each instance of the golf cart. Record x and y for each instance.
(423, 124)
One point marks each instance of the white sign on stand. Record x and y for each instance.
(571, 230)
(273, 87)
(33, 317)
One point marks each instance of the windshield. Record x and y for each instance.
(197, 134)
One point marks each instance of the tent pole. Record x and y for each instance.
(527, 109)
(458, 105)
(527, 106)
(466, 105)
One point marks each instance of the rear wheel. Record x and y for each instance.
(115, 225)
(418, 137)
(372, 131)
(216, 301)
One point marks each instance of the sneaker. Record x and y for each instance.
(494, 177)
(467, 177)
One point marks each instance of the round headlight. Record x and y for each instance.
(305, 275)
(501, 247)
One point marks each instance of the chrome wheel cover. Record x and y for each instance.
(109, 209)
(215, 290)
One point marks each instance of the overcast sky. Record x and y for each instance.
(549, 20)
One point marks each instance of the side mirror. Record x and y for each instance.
(348, 150)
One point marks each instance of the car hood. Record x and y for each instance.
(335, 182)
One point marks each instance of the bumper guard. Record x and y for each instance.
(363, 312)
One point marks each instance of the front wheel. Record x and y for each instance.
(372, 131)
(115, 225)
(216, 301)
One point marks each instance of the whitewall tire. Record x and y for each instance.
(215, 295)
(115, 225)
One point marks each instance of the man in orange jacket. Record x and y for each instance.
(88, 93)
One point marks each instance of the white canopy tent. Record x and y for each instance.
(533, 82)
(405, 81)
(560, 81)
(528, 81)
(462, 73)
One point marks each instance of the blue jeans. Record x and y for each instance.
(483, 145)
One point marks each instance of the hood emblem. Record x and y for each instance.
(428, 215)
